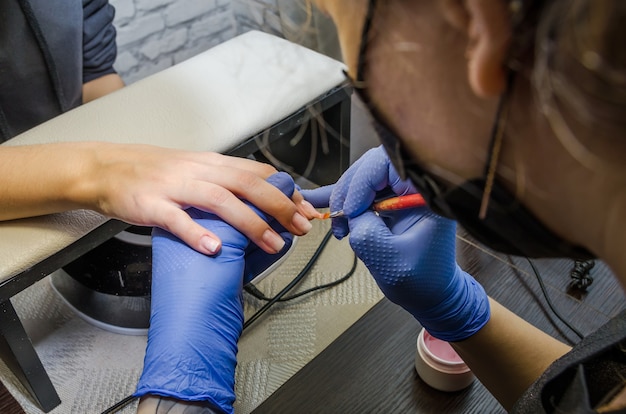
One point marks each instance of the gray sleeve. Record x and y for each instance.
(99, 48)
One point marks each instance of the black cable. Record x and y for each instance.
(291, 284)
(254, 291)
(119, 405)
(549, 301)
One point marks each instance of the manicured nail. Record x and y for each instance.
(273, 240)
(301, 223)
(310, 210)
(210, 244)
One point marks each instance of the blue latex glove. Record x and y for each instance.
(410, 253)
(197, 312)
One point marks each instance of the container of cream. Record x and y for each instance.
(439, 366)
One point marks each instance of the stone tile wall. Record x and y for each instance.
(155, 34)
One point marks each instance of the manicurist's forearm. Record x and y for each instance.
(508, 354)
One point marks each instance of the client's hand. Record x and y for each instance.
(153, 186)
(150, 186)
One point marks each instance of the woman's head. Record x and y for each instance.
(435, 71)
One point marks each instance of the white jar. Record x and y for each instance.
(439, 365)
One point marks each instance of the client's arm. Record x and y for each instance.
(149, 186)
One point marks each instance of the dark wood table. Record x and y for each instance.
(370, 367)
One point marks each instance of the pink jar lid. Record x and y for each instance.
(438, 364)
(441, 349)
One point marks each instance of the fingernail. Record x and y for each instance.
(309, 210)
(301, 223)
(273, 240)
(210, 244)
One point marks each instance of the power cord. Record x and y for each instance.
(254, 291)
(549, 301)
(280, 296)
(120, 404)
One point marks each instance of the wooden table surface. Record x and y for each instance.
(370, 368)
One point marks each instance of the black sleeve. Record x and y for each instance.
(99, 48)
(582, 379)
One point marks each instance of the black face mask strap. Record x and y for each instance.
(365, 32)
(386, 135)
(495, 142)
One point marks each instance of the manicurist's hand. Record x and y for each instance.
(410, 253)
(150, 186)
(197, 312)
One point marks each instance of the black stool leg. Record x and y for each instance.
(18, 353)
